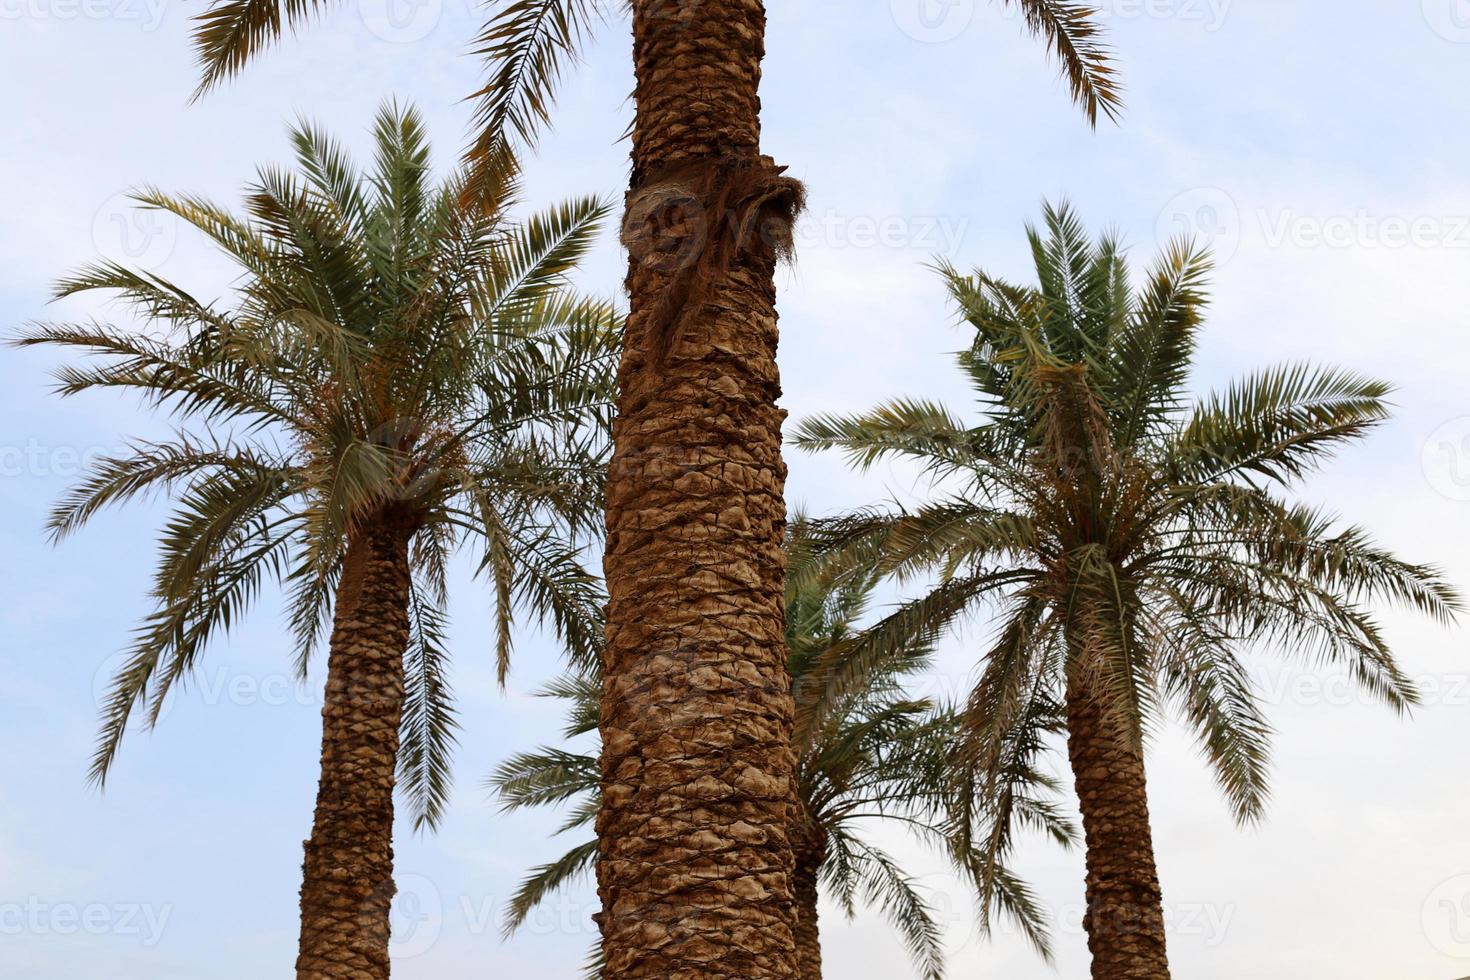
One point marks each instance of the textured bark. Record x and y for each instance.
(695, 865)
(811, 854)
(347, 884)
(1125, 913)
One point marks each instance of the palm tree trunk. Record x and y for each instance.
(811, 854)
(695, 865)
(347, 884)
(1125, 912)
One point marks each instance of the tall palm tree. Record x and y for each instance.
(697, 712)
(878, 756)
(397, 375)
(698, 772)
(1133, 547)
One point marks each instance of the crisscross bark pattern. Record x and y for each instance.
(695, 864)
(1125, 915)
(347, 885)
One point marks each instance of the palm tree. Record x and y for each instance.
(399, 375)
(696, 715)
(1133, 548)
(696, 696)
(878, 756)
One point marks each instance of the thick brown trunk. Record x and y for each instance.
(811, 854)
(1125, 912)
(347, 884)
(694, 871)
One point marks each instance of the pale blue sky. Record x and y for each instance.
(1320, 143)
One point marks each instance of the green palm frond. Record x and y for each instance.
(544, 778)
(427, 736)
(527, 47)
(1279, 424)
(885, 886)
(232, 32)
(1150, 360)
(1072, 33)
(1132, 542)
(547, 880)
(388, 349)
(873, 754)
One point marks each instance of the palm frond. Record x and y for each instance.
(1072, 33)
(232, 32)
(427, 734)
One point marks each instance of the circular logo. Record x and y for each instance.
(666, 228)
(1446, 459)
(933, 21)
(417, 917)
(1206, 215)
(132, 235)
(1446, 917)
(401, 21)
(1450, 19)
(103, 685)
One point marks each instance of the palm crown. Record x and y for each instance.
(388, 351)
(1131, 544)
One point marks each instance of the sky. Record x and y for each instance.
(1318, 145)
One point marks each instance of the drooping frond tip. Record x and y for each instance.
(1072, 33)
(232, 32)
(526, 46)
